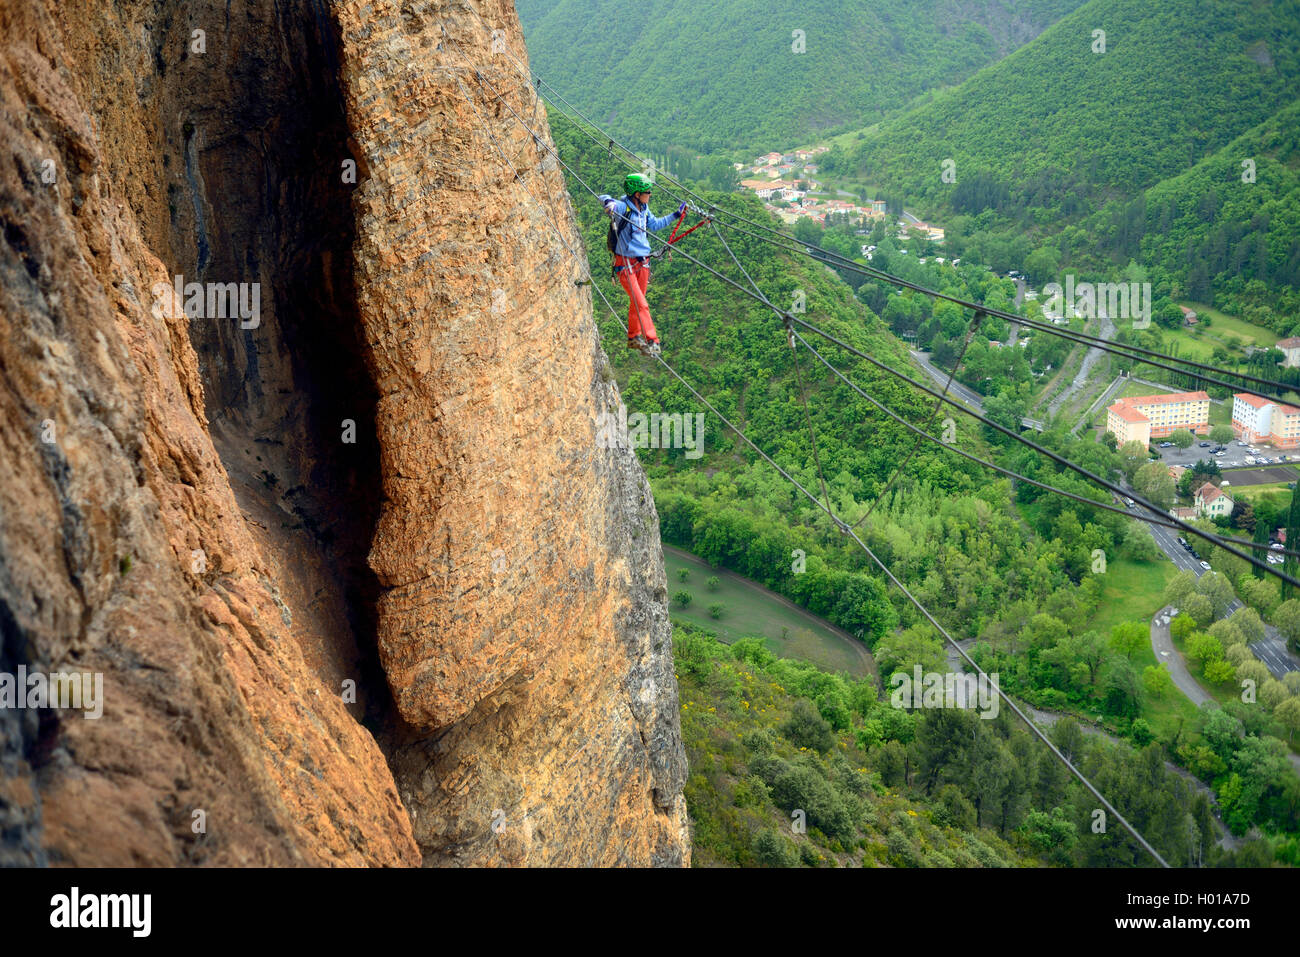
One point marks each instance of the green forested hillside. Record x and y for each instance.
(769, 738)
(1014, 567)
(724, 75)
(1222, 232)
(1056, 126)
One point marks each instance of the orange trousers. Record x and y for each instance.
(635, 278)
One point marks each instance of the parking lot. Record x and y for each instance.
(1234, 456)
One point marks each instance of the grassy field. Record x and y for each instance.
(1131, 591)
(748, 609)
(1256, 492)
(1134, 591)
(1223, 325)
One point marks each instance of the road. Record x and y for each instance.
(1271, 649)
(1162, 644)
(967, 395)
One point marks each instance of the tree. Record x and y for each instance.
(1154, 483)
(683, 574)
(1182, 626)
(1222, 434)
(682, 598)
(1121, 689)
(716, 609)
(1291, 567)
(1132, 455)
(1272, 693)
(1182, 438)
(1259, 593)
(1249, 624)
(1288, 712)
(1218, 590)
(713, 582)
(1156, 680)
(1141, 732)
(1199, 608)
(1286, 619)
(774, 850)
(1129, 637)
(1204, 648)
(1227, 632)
(1182, 585)
(806, 728)
(1139, 545)
(1218, 672)
(908, 648)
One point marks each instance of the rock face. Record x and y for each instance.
(523, 624)
(123, 550)
(387, 484)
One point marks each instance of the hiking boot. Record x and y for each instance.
(638, 343)
(651, 350)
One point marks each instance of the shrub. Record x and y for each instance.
(808, 729)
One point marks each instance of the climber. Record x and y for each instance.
(631, 247)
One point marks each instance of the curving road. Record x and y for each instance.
(1162, 644)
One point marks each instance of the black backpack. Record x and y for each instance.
(611, 234)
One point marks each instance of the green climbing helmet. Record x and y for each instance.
(637, 183)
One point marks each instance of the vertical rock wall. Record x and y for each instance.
(123, 551)
(181, 515)
(523, 622)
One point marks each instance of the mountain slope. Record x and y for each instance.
(1056, 120)
(725, 75)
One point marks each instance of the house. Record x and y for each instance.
(1144, 417)
(1189, 316)
(1291, 349)
(1261, 420)
(1212, 502)
(1176, 473)
(1186, 514)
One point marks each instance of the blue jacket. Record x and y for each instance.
(632, 241)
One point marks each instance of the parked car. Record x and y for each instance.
(1205, 445)
(1165, 445)
(1205, 565)
(1277, 545)
(1276, 560)
(1182, 541)
(1242, 444)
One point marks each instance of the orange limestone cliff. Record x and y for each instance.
(356, 580)
(523, 622)
(123, 551)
